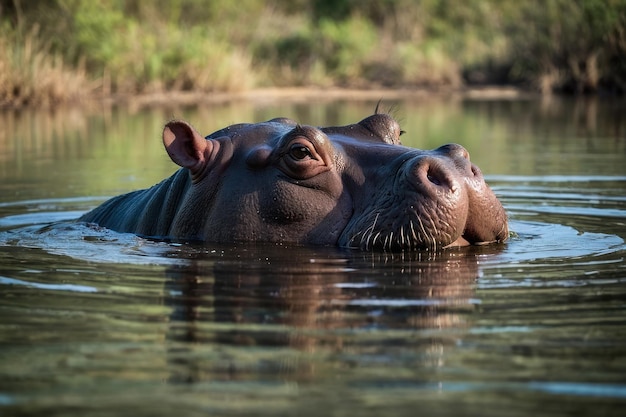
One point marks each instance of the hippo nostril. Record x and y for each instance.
(476, 172)
(431, 172)
(432, 177)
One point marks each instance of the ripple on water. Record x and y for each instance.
(554, 219)
(534, 241)
(43, 286)
(563, 219)
(90, 243)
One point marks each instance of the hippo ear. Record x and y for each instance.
(383, 126)
(185, 145)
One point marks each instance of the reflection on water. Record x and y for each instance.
(94, 322)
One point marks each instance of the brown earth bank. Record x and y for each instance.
(298, 94)
(289, 95)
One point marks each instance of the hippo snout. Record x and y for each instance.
(422, 207)
(435, 199)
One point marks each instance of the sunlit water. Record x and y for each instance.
(94, 322)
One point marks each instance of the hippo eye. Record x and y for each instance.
(299, 152)
(303, 158)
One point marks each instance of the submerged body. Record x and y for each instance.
(277, 181)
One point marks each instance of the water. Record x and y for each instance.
(96, 323)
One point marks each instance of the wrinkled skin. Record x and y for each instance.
(277, 181)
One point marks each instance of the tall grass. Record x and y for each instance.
(139, 57)
(87, 47)
(31, 74)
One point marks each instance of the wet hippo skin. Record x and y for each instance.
(278, 181)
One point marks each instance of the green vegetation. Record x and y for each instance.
(61, 50)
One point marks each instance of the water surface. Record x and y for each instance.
(94, 322)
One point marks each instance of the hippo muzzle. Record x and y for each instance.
(433, 199)
(279, 182)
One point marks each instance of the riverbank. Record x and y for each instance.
(58, 52)
(290, 95)
(304, 94)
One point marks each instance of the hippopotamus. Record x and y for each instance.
(282, 182)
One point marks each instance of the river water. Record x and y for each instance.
(96, 323)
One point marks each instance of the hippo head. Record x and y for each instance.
(351, 186)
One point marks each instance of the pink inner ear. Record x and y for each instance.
(185, 146)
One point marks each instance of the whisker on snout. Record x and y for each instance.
(406, 237)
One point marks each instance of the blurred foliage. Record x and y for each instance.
(132, 46)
